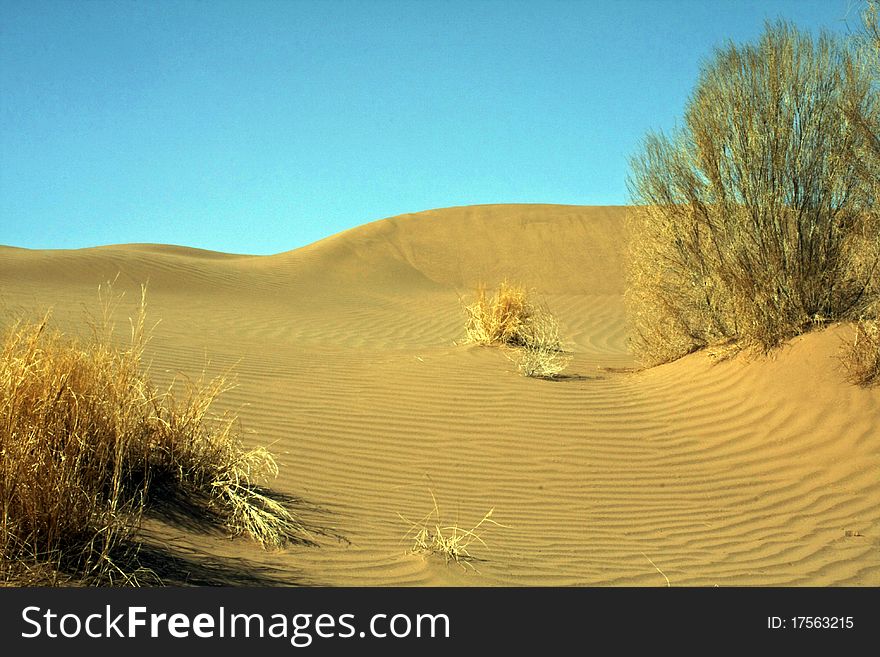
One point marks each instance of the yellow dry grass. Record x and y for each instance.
(87, 440)
(506, 317)
(510, 318)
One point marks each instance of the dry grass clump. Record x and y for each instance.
(198, 455)
(757, 220)
(432, 536)
(507, 317)
(87, 442)
(861, 358)
(510, 318)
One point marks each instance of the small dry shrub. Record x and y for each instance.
(541, 362)
(510, 318)
(861, 358)
(200, 455)
(543, 356)
(504, 318)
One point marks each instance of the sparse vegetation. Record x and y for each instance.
(88, 443)
(541, 362)
(861, 357)
(432, 536)
(757, 220)
(510, 318)
(507, 317)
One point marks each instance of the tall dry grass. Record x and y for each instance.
(88, 442)
(755, 220)
(511, 318)
(68, 438)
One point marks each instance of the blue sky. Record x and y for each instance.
(258, 126)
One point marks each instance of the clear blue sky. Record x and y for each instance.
(256, 127)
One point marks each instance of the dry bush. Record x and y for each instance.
(86, 441)
(754, 221)
(543, 356)
(505, 318)
(511, 318)
(196, 454)
(861, 358)
(541, 362)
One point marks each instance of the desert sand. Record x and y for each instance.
(349, 365)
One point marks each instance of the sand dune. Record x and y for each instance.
(750, 471)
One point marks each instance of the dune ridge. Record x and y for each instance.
(750, 471)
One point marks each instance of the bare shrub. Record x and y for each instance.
(753, 221)
(865, 241)
(543, 357)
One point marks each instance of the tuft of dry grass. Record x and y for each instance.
(504, 318)
(432, 536)
(87, 442)
(511, 318)
(861, 357)
(197, 454)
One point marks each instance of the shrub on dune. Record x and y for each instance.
(756, 220)
(511, 318)
(543, 356)
(506, 317)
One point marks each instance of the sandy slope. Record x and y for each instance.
(747, 472)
